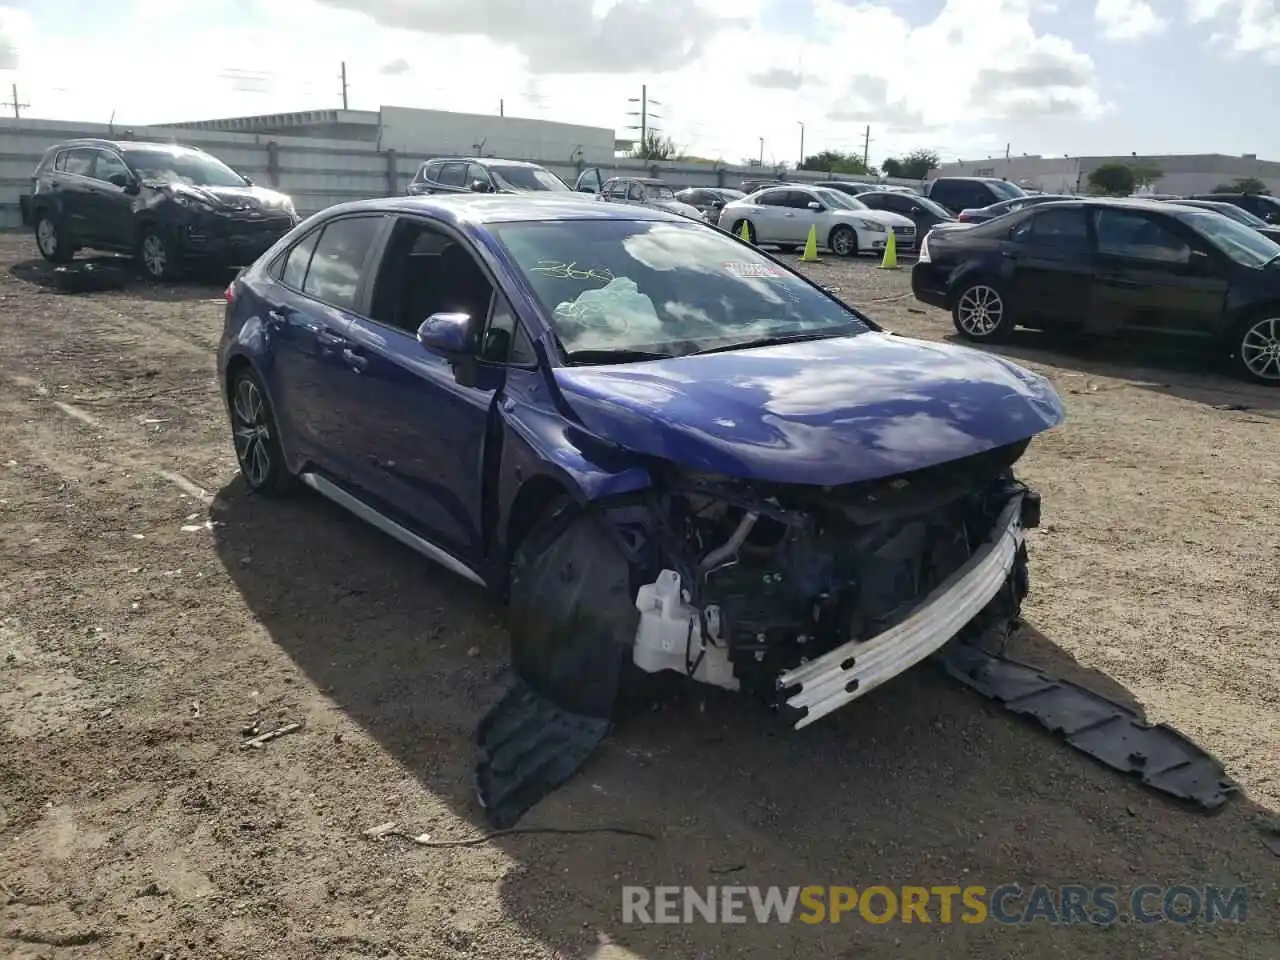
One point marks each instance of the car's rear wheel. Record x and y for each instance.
(738, 227)
(157, 255)
(1257, 350)
(843, 242)
(981, 312)
(257, 438)
(50, 240)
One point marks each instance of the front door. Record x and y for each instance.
(1153, 275)
(1053, 267)
(419, 432)
(589, 180)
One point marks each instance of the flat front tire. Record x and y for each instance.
(981, 312)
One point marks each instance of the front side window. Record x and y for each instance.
(672, 289)
(336, 265)
(108, 165)
(182, 166)
(78, 162)
(1138, 237)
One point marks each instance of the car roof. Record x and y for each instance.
(484, 160)
(470, 208)
(126, 145)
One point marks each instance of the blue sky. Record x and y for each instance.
(963, 77)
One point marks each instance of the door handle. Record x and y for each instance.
(327, 339)
(275, 316)
(354, 360)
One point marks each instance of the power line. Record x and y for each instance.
(645, 116)
(17, 104)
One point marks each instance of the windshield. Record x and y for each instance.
(527, 178)
(180, 166)
(841, 201)
(932, 206)
(727, 194)
(665, 288)
(1232, 211)
(657, 191)
(1242, 244)
(1006, 189)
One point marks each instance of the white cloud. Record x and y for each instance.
(1249, 26)
(1128, 19)
(723, 80)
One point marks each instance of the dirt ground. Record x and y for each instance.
(145, 624)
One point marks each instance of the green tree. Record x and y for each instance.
(1243, 185)
(1145, 173)
(1112, 180)
(833, 161)
(655, 147)
(917, 164)
(892, 167)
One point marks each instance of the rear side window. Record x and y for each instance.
(1060, 230)
(299, 258)
(78, 162)
(338, 260)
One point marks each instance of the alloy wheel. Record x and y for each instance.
(842, 243)
(1260, 349)
(980, 310)
(251, 431)
(154, 255)
(47, 237)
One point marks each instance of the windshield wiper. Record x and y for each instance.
(614, 355)
(769, 342)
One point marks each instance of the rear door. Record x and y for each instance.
(319, 284)
(1155, 275)
(770, 216)
(1053, 266)
(109, 209)
(76, 190)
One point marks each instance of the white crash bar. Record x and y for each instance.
(938, 618)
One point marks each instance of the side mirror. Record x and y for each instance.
(247, 181)
(814, 205)
(916, 210)
(479, 186)
(446, 335)
(120, 180)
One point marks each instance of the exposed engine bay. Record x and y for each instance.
(805, 597)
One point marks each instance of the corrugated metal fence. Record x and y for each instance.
(317, 173)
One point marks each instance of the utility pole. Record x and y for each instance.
(502, 108)
(344, 85)
(762, 151)
(866, 149)
(801, 163)
(645, 116)
(1006, 150)
(14, 102)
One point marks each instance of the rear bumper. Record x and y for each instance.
(854, 669)
(929, 285)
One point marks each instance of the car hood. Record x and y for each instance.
(236, 198)
(677, 206)
(824, 412)
(877, 216)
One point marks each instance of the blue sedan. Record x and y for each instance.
(667, 451)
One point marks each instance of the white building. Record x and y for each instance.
(1181, 174)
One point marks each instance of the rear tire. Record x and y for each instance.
(751, 231)
(981, 312)
(1256, 347)
(256, 437)
(51, 241)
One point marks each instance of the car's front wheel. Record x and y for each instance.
(1257, 350)
(157, 255)
(981, 312)
(257, 437)
(843, 242)
(50, 240)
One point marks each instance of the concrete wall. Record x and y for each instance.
(1198, 173)
(319, 173)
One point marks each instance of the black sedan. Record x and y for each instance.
(1238, 214)
(1112, 268)
(709, 200)
(923, 212)
(1012, 205)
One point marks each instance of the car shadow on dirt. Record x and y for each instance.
(920, 783)
(108, 273)
(1159, 367)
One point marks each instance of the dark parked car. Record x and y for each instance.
(709, 201)
(960, 193)
(1239, 214)
(1111, 268)
(1260, 205)
(169, 205)
(487, 175)
(922, 211)
(668, 451)
(990, 212)
(848, 186)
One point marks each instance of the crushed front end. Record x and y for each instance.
(811, 597)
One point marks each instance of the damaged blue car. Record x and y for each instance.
(667, 452)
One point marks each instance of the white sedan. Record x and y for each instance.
(782, 216)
